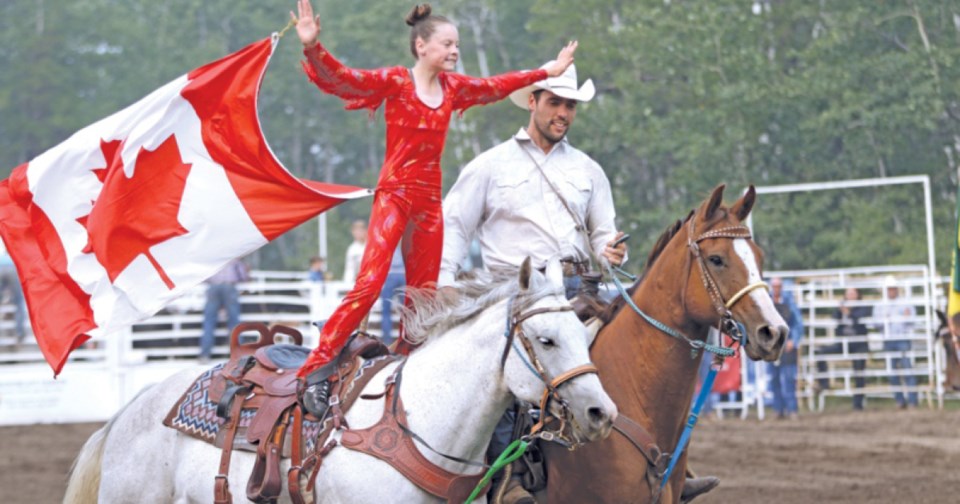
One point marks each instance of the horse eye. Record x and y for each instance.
(546, 341)
(716, 260)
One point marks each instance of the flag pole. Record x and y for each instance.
(290, 24)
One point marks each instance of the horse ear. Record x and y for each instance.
(712, 204)
(743, 205)
(942, 316)
(526, 272)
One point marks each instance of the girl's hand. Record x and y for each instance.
(308, 24)
(564, 60)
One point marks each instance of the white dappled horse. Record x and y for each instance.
(453, 389)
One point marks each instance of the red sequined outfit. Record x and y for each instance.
(407, 202)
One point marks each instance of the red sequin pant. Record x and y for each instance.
(418, 222)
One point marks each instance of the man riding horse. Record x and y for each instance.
(537, 196)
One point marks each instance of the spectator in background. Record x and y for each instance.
(783, 373)
(222, 294)
(318, 269)
(850, 323)
(391, 288)
(11, 291)
(351, 264)
(895, 318)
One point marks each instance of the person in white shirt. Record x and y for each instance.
(894, 318)
(508, 196)
(351, 264)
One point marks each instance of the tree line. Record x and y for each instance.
(690, 94)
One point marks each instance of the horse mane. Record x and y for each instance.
(431, 314)
(619, 302)
(664, 239)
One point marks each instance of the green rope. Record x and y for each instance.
(514, 451)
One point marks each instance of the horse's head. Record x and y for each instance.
(547, 358)
(948, 341)
(724, 278)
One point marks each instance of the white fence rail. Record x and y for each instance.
(105, 374)
(827, 358)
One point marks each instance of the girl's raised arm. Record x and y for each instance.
(363, 88)
(479, 91)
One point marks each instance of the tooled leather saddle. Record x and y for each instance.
(255, 396)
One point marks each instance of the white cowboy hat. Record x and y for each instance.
(564, 86)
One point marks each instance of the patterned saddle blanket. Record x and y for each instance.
(195, 414)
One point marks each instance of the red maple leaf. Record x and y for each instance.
(134, 213)
(110, 150)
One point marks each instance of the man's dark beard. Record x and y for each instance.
(544, 132)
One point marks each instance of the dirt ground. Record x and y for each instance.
(35, 460)
(873, 456)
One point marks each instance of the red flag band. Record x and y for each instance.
(133, 210)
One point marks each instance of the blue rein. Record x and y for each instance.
(696, 347)
(691, 422)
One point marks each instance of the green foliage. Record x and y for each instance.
(770, 92)
(691, 94)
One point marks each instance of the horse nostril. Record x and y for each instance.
(598, 415)
(764, 334)
(772, 335)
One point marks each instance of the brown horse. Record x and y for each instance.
(952, 380)
(701, 270)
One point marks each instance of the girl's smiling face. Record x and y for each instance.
(442, 50)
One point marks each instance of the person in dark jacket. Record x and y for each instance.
(783, 373)
(850, 316)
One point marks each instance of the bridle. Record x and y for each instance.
(515, 332)
(727, 323)
(515, 328)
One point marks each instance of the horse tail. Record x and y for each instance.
(84, 484)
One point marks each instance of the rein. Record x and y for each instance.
(395, 380)
(695, 345)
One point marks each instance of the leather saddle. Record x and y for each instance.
(260, 380)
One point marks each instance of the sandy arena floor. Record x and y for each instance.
(875, 456)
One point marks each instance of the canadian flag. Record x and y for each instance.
(128, 213)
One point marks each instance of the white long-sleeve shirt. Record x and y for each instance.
(501, 198)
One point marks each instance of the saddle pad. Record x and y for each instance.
(195, 414)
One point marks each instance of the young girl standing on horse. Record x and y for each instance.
(407, 204)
